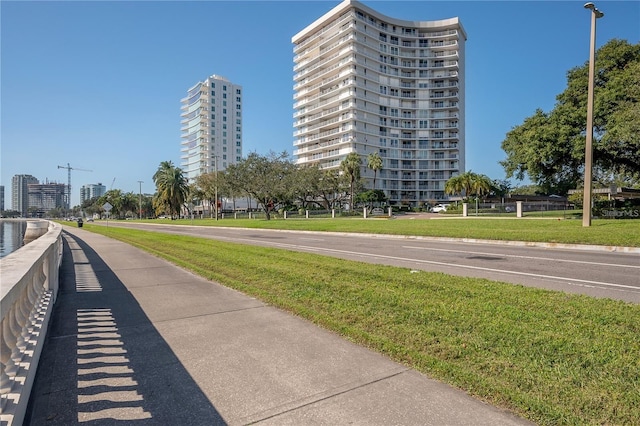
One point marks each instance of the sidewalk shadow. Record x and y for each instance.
(104, 362)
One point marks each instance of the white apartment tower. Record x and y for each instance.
(92, 190)
(211, 124)
(366, 83)
(20, 192)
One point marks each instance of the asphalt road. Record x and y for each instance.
(594, 272)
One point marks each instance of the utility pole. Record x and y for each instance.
(140, 199)
(215, 168)
(588, 154)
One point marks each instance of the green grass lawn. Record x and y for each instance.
(609, 232)
(551, 357)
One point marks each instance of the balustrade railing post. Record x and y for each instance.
(27, 302)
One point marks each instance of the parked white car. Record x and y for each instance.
(440, 208)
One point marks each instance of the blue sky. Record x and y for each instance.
(98, 85)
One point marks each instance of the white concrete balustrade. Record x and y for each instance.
(28, 287)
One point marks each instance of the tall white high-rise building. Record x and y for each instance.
(20, 192)
(211, 122)
(366, 83)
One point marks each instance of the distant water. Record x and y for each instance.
(11, 235)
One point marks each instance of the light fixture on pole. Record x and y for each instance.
(588, 149)
(140, 199)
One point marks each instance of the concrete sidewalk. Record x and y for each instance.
(135, 339)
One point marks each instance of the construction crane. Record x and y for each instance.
(69, 168)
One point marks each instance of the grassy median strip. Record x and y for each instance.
(551, 357)
(609, 232)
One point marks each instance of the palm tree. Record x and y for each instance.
(454, 185)
(351, 166)
(468, 184)
(172, 188)
(374, 162)
(163, 168)
(463, 184)
(480, 185)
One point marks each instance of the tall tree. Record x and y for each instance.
(266, 179)
(351, 167)
(231, 183)
(332, 188)
(374, 162)
(549, 147)
(130, 204)
(468, 184)
(113, 197)
(171, 189)
(459, 184)
(306, 183)
(209, 187)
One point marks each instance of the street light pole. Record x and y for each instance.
(588, 154)
(140, 199)
(215, 168)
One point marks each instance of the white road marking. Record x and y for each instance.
(523, 257)
(431, 262)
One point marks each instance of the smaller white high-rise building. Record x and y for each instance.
(92, 190)
(211, 125)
